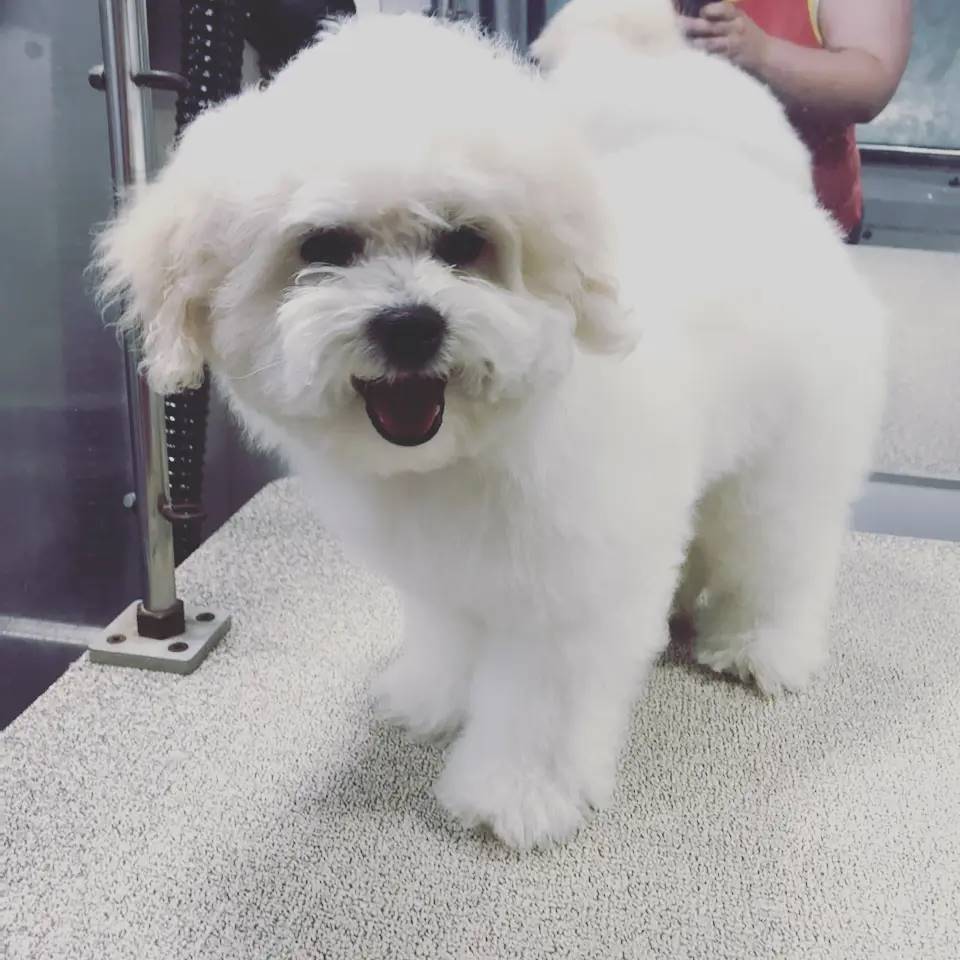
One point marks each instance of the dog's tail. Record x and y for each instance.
(645, 26)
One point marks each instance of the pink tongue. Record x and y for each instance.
(405, 411)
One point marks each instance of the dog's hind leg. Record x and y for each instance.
(771, 540)
(691, 583)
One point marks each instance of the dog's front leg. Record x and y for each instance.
(546, 717)
(424, 689)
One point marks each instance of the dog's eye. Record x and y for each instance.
(332, 248)
(461, 247)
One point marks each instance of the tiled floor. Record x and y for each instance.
(910, 507)
(27, 668)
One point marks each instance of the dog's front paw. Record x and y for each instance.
(775, 659)
(526, 805)
(427, 705)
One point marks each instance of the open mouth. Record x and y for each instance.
(406, 410)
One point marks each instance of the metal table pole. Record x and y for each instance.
(138, 637)
(130, 128)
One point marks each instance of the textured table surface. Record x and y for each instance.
(255, 810)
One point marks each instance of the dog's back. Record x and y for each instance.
(628, 77)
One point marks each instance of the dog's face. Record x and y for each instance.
(382, 256)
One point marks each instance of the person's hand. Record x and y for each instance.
(724, 29)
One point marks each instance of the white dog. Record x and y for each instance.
(532, 340)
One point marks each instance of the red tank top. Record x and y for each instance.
(836, 159)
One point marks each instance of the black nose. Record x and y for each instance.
(409, 337)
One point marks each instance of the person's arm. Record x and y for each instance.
(850, 80)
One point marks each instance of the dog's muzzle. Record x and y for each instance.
(406, 407)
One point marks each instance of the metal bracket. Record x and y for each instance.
(152, 79)
(181, 512)
(161, 80)
(122, 645)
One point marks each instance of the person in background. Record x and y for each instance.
(832, 63)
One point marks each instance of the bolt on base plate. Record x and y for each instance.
(121, 645)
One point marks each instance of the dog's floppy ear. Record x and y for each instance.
(151, 261)
(584, 229)
(604, 325)
(565, 255)
(568, 240)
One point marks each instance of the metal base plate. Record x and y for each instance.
(121, 646)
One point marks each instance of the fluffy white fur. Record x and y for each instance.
(669, 366)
